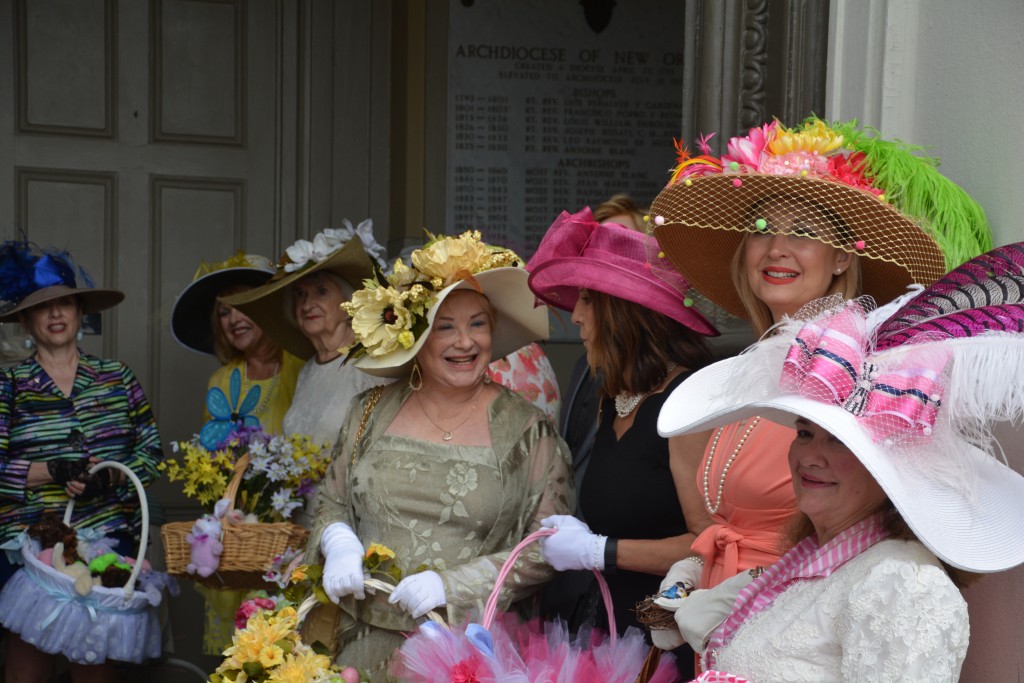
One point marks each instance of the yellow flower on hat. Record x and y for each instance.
(451, 258)
(815, 138)
(379, 316)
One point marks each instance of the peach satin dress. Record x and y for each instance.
(757, 499)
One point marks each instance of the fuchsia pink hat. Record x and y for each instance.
(578, 252)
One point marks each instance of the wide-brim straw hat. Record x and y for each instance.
(578, 252)
(269, 304)
(93, 300)
(517, 322)
(190, 316)
(906, 222)
(979, 533)
(705, 222)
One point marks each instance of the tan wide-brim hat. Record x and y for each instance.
(93, 300)
(700, 224)
(270, 305)
(517, 323)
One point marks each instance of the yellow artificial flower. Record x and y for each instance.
(300, 667)
(271, 656)
(402, 275)
(381, 551)
(814, 138)
(450, 258)
(406, 339)
(378, 317)
(299, 574)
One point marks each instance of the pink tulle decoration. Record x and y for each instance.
(534, 652)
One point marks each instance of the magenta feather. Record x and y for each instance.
(986, 294)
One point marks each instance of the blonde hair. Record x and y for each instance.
(222, 348)
(847, 283)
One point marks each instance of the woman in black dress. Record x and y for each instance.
(642, 332)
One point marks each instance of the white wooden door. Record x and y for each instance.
(144, 136)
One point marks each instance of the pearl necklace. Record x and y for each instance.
(275, 378)
(627, 403)
(725, 468)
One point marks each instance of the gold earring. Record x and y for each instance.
(415, 377)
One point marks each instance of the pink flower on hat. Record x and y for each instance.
(747, 150)
(850, 170)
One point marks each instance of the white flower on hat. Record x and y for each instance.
(330, 240)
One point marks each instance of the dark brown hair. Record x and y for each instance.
(632, 345)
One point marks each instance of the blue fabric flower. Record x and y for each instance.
(228, 415)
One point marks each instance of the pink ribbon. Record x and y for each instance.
(831, 361)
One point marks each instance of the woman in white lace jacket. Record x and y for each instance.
(897, 501)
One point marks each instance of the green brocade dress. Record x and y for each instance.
(459, 510)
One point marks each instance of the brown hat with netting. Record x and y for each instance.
(850, 189)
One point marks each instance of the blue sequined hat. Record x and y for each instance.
(30, 275)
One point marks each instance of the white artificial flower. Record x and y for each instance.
(299, 254)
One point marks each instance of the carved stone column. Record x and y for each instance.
(747, 61)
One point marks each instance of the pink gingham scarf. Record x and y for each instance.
(804, 561)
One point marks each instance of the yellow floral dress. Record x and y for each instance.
(457, 509)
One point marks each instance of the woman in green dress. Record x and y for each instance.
(447, 469)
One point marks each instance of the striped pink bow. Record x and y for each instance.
(831, 361)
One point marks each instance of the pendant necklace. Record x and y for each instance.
(448, 434)
(725, 468)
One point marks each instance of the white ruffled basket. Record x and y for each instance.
(41, 605)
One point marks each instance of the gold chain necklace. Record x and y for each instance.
(447, 434)
(725, 468)
(275, 378)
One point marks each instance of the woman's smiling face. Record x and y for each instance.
(832, 487)
(458, 349)
(787, 265)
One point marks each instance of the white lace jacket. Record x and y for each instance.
(889, 614)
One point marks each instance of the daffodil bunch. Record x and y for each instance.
(269, 650)
(390, 312)
(281, 470)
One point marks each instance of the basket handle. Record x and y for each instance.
(129, 588)
(241, 465)
(506, 569)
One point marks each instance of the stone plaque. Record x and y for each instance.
(556, 105)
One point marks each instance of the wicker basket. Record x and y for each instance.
(249, 549)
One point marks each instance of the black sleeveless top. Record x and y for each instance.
(628, 492)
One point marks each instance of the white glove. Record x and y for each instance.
(686, 571)
(419, 593)
(702, 612)
(343, 562)
(574, 546)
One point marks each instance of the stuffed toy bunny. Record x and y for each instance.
(206, 546)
